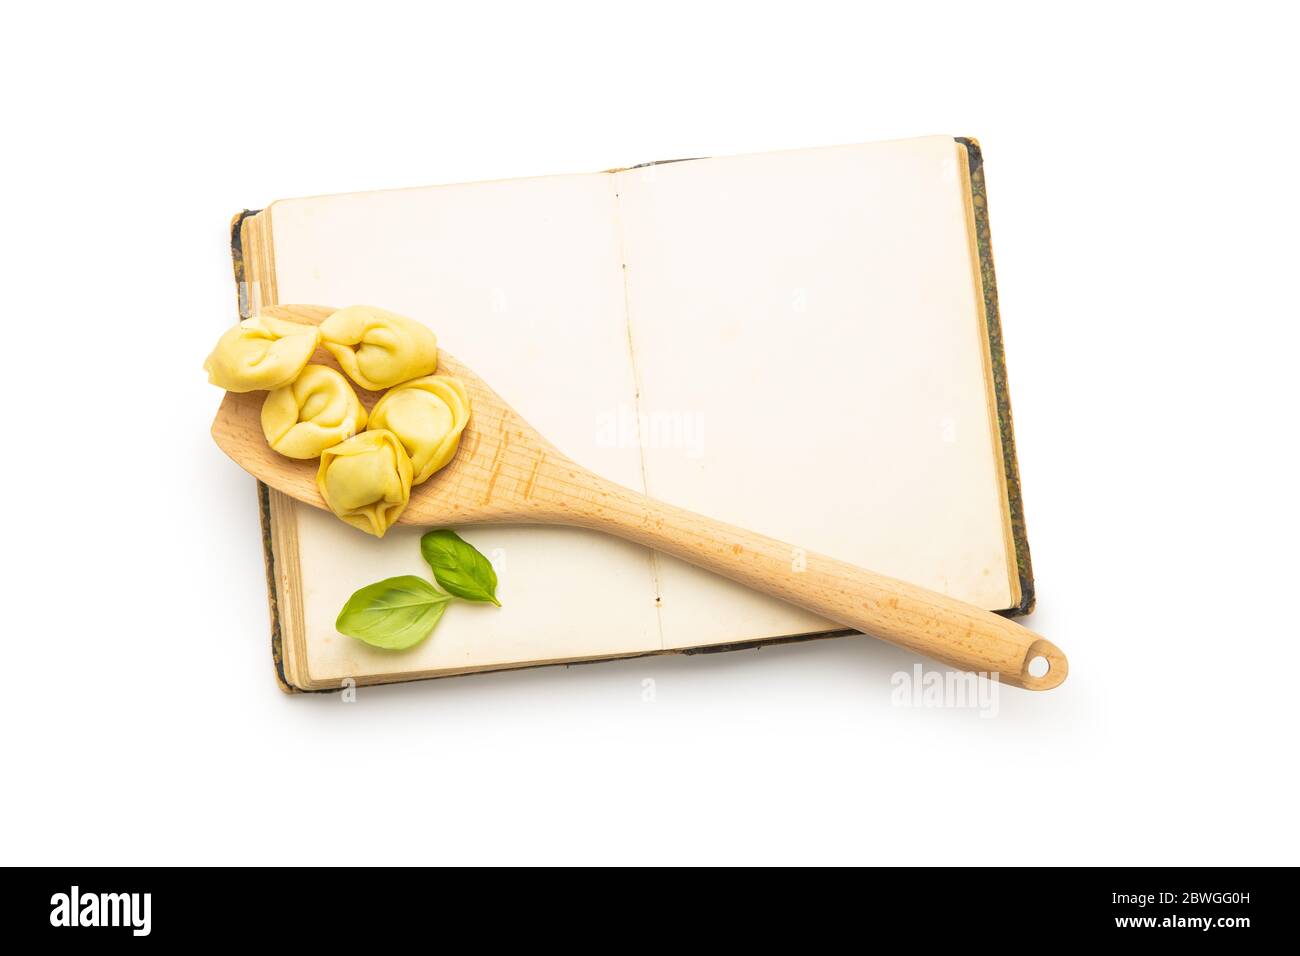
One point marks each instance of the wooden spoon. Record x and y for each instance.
(506, 472)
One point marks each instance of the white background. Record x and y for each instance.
(1142, 173)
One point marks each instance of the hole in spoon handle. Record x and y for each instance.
(1044, 667)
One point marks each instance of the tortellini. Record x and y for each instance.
(368, 461)
(316, 410)
(261, 353)
(379, 349)
(428, 416)
(366, 480)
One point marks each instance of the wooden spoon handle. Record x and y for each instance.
(958, 634)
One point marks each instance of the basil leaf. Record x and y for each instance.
(458, 567)
(394, 614)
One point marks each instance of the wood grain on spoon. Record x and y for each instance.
(505, 471)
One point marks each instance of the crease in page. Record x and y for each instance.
(614, 177)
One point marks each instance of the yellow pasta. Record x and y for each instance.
(314, 411)
(428, 416)
(368, 461)
(261, 353)
(366, 480)
(379, 349)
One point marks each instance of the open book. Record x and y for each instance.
(802, 343)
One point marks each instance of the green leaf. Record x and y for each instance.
(458, 567)
(394, 614)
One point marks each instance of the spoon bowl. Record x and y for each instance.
(494, 476)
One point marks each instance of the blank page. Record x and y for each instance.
(811, 360)
(522, 280)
